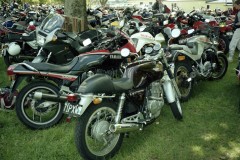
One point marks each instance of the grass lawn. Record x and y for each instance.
(210, 130)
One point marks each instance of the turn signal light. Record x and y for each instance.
(10, 71)
(72, 98)
(54, 38)
(181, 58)
(97, 100)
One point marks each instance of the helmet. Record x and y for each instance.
(13, 49)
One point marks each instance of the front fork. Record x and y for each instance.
(170, 83)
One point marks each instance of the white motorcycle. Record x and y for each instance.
(18, 48)
(196, 57)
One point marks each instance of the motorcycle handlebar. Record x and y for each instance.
(173, 48)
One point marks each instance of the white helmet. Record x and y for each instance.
(13, 49)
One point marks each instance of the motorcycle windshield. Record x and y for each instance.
(52, 22)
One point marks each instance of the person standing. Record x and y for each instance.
(160, 7)
(235, 42)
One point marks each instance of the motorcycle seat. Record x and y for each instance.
(146, 19)
(11, 37)
(30, 37)
(48, 67)
(123, 84)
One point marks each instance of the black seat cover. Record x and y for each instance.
(123, 84)
(47, 67)
(92, 34)
(13, 37)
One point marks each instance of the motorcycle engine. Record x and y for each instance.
(208, 59)
(154, 101)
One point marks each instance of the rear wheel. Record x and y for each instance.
(182, 72)
(92, 136)
(38, 114)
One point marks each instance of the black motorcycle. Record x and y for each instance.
(125, 105)
(55, 79)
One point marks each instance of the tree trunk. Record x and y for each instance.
(103, 2)
(76, 8)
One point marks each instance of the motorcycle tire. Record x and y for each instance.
(182, 72)
(223, 44)
(91, 126)
(222, 59)
(30, 111)
(176, 109)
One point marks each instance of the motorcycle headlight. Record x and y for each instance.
(54, 38)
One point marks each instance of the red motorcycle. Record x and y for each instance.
(194, 20)
(55, 79)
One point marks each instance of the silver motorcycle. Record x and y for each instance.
(197, 57)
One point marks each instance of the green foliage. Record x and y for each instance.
(42, 1)
(209, 130)
(103, 2)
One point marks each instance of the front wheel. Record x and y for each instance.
(221, 67)
(38, 114)
(92, 136)
(182, 72)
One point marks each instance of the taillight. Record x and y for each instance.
(72, 98)
(10, 71)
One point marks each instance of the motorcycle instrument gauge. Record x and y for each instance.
(157, 47)
(148, 50)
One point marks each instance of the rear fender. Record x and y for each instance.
(21, 68)
(85, 101)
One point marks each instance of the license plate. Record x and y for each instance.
(72, 109)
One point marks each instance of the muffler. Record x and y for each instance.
(123, 128)
(49, 97)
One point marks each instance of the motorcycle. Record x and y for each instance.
(128, 104)
(197, 57)
(17, 48)
(224, 33)
(56, 79)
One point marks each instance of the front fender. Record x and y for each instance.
(220, 52)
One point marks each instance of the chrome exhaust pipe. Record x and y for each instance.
(49, 97)
(123, 128)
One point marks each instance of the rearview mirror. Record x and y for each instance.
(86, 42)
(165, 22)
(190, 31)
(125, 52)
(207, 20)
(176, 33)
(121, 24)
